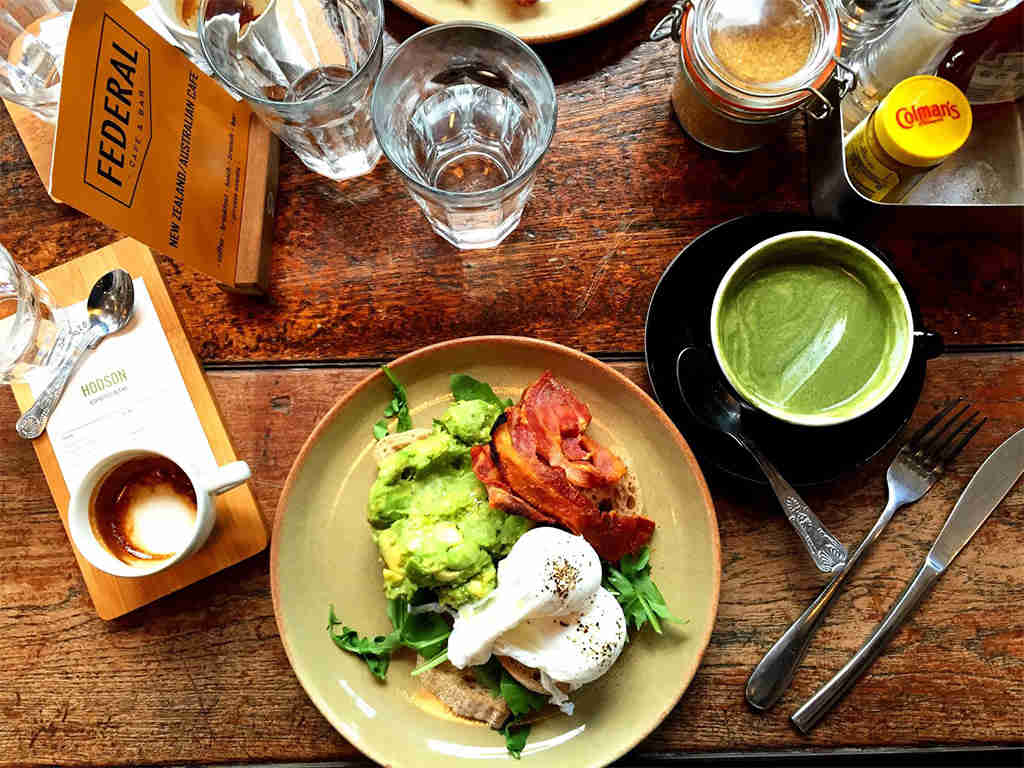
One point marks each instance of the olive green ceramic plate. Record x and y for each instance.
(542, 22)
(322, 554)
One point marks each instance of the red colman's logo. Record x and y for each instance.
(908, 117)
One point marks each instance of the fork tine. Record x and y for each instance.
(953, 452)
(928, 446)
(915, 439)
(935, 448)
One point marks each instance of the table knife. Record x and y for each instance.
(989, 486)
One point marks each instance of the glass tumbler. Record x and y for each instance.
(307, 68)
(32, 335)
(465, 111)
(33, 35)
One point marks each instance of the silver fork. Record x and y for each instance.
(916, 468)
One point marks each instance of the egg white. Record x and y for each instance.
(548, 612)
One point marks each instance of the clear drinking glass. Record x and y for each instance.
(307, 68)
(465, 111)
(33, 35)
(32, 335)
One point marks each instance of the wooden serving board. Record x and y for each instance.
(240, 531)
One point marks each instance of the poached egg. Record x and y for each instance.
(549, 612)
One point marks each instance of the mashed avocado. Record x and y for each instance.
(430, 515)
(471, 420)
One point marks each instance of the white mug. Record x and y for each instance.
(206, 485)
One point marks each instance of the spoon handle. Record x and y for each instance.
(824, 548)
(33, 421)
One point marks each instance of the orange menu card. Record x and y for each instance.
(153, 147)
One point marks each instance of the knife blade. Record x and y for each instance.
(989, 486)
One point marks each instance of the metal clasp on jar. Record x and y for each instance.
(671, 25)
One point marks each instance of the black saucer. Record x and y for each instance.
(679, 316)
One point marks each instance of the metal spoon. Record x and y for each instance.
(712, 404)
(110, 308)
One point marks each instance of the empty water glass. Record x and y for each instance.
(306, 67)
(33, 35)
(465, 112)
(32, 335)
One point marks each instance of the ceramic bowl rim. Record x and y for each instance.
(814, 420)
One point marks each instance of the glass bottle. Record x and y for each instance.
(863, 21)
(988, 65)
(915, 44)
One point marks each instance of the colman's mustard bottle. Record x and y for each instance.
(922, 121)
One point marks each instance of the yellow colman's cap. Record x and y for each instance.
(923, 120)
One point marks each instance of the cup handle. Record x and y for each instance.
(227, 477)
(931, 343)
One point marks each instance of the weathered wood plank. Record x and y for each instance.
(356, 272)
(201, 675)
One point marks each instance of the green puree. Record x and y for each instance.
(808, 338)
(431, 520)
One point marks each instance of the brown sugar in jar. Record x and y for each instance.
(746, 67)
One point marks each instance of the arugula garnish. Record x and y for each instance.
(520, 700)
(465, 387)
(640, 598)
(399, 406)
(431, 661)
(489, 676)
(515, 737)
(426, 633)
(375, 651)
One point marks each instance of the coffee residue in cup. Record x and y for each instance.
(144, 510)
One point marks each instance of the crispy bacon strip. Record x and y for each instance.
(499, 494)
(547, 488)
(573, 449)
(558, 419)
(606, 464)
(539, 458)
(613, 535)
(542, 486)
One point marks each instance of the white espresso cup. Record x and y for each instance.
(205, 484)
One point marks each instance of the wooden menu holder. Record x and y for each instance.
(258, 199)
(254, 239)
(240, 532)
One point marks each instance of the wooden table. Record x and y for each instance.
(357, 278)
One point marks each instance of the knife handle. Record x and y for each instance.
(816, 707)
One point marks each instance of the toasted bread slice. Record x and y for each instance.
(464, 695)
(623, 497)
(392, 444)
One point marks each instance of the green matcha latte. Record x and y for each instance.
(811, 328)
